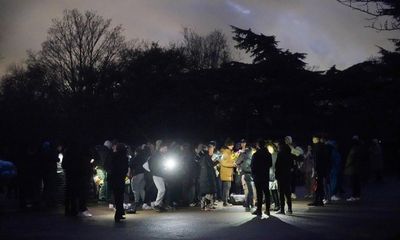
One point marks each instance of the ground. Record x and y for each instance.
(375, 217)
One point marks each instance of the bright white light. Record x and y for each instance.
(60, 156)
(170, 164)
(92, 160)
(270, 149)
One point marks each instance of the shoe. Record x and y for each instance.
(257, 212)
(193, 204)
(247, 209)
(276, 209)
(335, 198)
(146, 207)
(326, 201)
(225, 204)
(290, 211)
(85, 214)
(316, 204)
(293, 196)
(159, 209)
(267, 212)
(353, 199)
(118, 218)
(281, 212)
(111, 206)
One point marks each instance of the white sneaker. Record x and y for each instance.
(335, 198)
(85, 214)
(110, 206)
(293, 196)
(146, 207)
(351, 199)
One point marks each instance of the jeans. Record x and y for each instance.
(138, 184)
(284, 191)
(262, 190)
(160, 185)
(103, 187)
(226, 187)
(248, 188)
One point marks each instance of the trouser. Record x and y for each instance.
(76, 193)
(248, 188)
(320, 192)
(284, 191)
(219, 188)
(293, 181)
(308, 183)
(262, 189)
(160, 185)
(356, 185)
(275, 197)
(49, 186)
(118, 185)
(138, 185)
(101, 173)
(226, 187)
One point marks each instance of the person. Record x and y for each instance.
(207, 184)
(322, 158)
(289, 142)
(376, 159)
(243, 163)
(334, 174)
(273, 182)
(156, 166)
(103, 159)
(76, 164)
(308, 170)
(261, 161)
(227, 164)
(136, 173)
(283, 172)
(49, 159)
(117, 174)
(353, 168)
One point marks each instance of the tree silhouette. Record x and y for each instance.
(385, 14)
(79, 47)
(264, 49)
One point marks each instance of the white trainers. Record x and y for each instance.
(335, 198)
(110, 206)
(146, 207)
(85, 214)
(353, 199)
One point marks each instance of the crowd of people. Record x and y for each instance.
(165, 174)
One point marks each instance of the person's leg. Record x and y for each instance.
(288, 197)
(281, 196)
(246, 192)
(102, 188)
(356, 186)
(251, 193)
(83, 188)
(265, 189)
(160, 185)
(259, 192)
(275, 198)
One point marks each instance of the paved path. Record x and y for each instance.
(376, 217)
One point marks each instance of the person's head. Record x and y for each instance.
(315, 139)
(243, 143)
(163, 148)
(108, 144)
(211, 147)
(229, 143)
(288, 140)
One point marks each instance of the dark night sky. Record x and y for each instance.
(329, 32)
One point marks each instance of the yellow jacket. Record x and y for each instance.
(227, 164)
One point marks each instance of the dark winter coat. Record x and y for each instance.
(156, 164)
(207, 175)
(103, 157)
(119, 164)
(136, 163)
(322, 159)
(260, 164)
(284, 164)
(76, 160)
(354, 160)
(244, 161)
